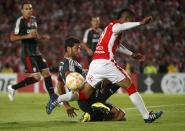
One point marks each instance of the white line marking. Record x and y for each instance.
(157, 106)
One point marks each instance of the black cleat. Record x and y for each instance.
(153, 116)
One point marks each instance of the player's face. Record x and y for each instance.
(126, 19)
(27, 10)
(75, 51)
(129, 19)
(95, 22)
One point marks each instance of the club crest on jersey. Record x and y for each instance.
(90, 78)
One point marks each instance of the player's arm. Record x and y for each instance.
(129, 25)
(124, 50)
(84, 44)
(16, 37)
(72, 95)
(69, 109)
(64, 67)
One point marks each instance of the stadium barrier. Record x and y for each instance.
(159, 83)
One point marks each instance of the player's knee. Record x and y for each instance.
(45, 73)
(125, 83)
(86, 91)
(128, 82)
(36, 76)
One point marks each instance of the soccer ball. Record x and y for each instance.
(74, 81)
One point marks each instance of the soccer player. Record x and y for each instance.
(94, 111)
(103, 65)
(36, 66)
(91, 37)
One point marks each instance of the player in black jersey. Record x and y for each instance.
(26, 31)
(91, 37)
(93, 111)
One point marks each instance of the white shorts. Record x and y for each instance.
(101, 69)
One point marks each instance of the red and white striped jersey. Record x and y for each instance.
(110, 39)
(108, 43)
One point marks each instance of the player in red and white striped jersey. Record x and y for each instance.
(103, 65)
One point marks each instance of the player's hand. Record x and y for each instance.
(146, 20)
(138, 57)
(32, 35)
(71, 111)
(89, 52)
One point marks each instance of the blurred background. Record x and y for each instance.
(163, 71)
(162, 41)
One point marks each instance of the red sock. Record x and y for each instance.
(131, 90)
(82, 96)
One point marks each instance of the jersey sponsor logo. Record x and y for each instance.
(31, 30)
(99, 47)
(99, 52)
(95, 40)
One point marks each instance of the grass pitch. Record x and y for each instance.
(27, 113)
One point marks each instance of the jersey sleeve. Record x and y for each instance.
(17, 26)
(85, 38)
(61, 65)
(125, 26)
(67, 65)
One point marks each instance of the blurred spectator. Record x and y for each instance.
(7, 69)
(172, 68)
(150, 68)
(162, 40)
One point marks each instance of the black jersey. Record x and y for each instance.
(91, 37)
(85, 105)
(23, 27)
(69, 65)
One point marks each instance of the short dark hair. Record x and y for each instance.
(24, 2)
(70, 42)
(125, 11)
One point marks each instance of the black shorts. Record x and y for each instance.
(34, 64)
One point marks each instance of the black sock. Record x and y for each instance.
(49, 85)
(25, 82)
(107, 92)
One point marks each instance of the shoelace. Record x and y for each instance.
(55, 103)
(152, 116)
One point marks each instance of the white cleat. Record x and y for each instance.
(11, 93)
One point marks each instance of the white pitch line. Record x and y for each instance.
(157, 106)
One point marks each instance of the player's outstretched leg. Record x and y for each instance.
(11, 89)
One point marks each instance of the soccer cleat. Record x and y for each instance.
(86, 117)
(11, 92)
(153, 116)
(52, 104)
(101, 107)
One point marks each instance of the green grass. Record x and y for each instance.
(27, 112)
